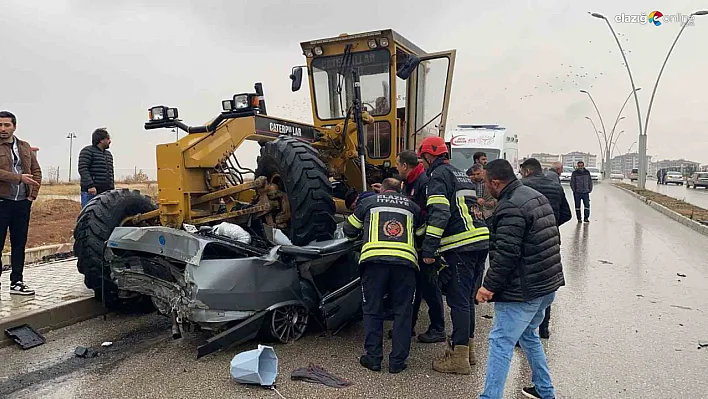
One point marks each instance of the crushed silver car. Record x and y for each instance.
(238, 284)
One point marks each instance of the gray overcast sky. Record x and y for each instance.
(76, 65)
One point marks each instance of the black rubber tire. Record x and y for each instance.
(304, 180)
(93, 227)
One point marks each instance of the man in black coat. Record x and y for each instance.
(581, 184)
(553, 191)
(96, 166)
(525, 271)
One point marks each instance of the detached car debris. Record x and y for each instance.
(84, 352)
(257, 366)
(25, 336)
(238, 281)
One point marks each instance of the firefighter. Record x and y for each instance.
(388, 264)
(456, 229)
(415, 181)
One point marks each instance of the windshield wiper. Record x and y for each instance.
(343, 69)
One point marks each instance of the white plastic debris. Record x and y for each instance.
(232, 231)
(189, 228)
(107, 344)
(257, 366)
(280, 238)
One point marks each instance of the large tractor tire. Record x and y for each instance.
(302, 176)
(93, 227)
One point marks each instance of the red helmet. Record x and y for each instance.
(433, 145)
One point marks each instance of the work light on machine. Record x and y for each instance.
(241, 102)
(161, 113)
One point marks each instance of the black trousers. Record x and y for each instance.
(398, 281)
(466, 267)
(430, 292)
(15, 216)
(585, 198)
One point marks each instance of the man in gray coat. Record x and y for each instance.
(555, 171)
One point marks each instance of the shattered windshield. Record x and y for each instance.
(334, 87)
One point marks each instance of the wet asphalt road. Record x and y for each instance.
(695, 196)
(625, 326)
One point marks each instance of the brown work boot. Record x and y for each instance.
(473, 359)
(455, 361)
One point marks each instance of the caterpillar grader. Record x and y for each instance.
(240, 251)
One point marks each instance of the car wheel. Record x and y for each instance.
(286, 324)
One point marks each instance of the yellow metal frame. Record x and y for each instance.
(190, 190)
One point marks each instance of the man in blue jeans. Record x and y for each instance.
(524, 273)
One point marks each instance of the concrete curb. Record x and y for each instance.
(34, 255)
(48, 319)
(692, 224)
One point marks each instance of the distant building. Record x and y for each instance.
(571, 159)
(626, 162)
(678, 165)
(704, 168)
(545, 159)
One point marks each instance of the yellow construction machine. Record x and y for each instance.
(373, 94)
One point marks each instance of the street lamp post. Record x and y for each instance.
(642, 132)
(614, 144)
(619, 114)
(598, 138)
(606, 151)
(71, 136)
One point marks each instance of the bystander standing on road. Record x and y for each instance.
(96, 166)
(553, 191)
(20, 178)
(555, 171)
(388, 264)
(486, 201)
(524, 274)
(581, 184)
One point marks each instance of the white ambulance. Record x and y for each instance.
(495, 141)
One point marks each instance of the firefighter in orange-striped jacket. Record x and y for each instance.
(456, 229)
(388, 263)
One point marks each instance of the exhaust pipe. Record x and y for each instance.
(176, 331)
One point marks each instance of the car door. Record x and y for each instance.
(344, 304)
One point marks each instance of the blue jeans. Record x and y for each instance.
(85, 198)
(517, 322)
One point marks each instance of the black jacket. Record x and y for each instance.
(96, 169)
(454, 221)
(553, 191)
(524, 249)
(390, 221)
(581, 181)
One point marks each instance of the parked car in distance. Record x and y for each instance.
(698, 179)
(565, 175)
(595, 173)
(617, 175)
(674, 178)
(634, 174)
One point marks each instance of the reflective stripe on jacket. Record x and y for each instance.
(454, 221)
(389, 222)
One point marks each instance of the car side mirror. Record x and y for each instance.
(405, 70)
(296, 77)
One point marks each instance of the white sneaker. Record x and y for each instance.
(19, 288)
